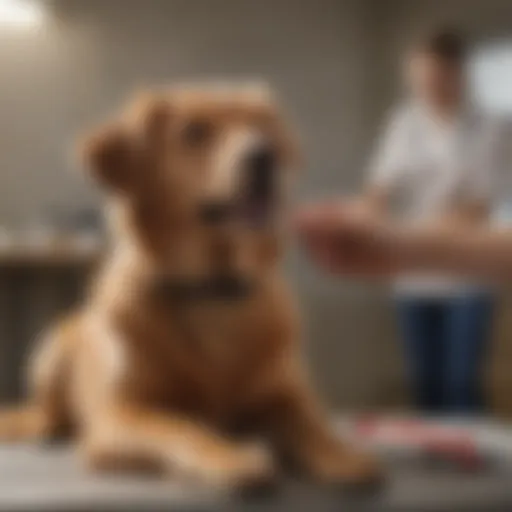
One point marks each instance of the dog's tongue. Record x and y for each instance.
(256, 212)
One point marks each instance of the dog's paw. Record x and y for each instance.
(261, 487)
(256, 477)
(349, 469)
(248, 470)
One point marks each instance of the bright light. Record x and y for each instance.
(21, 13)
(491, 74)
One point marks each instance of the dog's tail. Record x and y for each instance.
(45, 414)
(24, 423)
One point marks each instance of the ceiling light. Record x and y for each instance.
(21, 13)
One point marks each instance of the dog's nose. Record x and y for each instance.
(261, 165)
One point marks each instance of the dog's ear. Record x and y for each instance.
(156, 120)
(111, 155)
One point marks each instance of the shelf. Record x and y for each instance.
(54, 255)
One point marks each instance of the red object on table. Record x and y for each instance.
(426, 437)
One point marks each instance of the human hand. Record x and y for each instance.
(348, 240)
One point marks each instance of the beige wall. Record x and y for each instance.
(399, 21)
(334, 63)
(317, 53)
(93, 52)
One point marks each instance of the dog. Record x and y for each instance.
(184, 356)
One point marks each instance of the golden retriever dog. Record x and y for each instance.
(184, 355)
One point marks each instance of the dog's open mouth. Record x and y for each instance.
(255, 201)
(258, 196)
(256, 212)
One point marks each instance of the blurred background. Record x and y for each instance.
(336, 66)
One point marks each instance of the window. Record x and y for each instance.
(491, 82)
(491, 76)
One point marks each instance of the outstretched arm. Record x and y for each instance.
(350, 244)
(482, 252)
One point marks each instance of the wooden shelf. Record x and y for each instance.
(54, 255)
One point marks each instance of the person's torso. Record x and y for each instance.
(440, 163)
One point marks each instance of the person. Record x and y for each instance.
(438, 157)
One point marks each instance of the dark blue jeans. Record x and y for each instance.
(445, 343)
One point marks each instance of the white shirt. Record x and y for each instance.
(432, 167)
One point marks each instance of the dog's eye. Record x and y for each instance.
(197, 133)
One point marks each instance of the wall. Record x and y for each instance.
(317, 53)
(92, 53)
(402, 20)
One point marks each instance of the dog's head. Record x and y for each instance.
(192, 163)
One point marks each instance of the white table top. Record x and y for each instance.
(50, 477)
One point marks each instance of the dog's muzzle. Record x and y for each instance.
(256, 194)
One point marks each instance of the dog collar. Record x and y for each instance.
(219, 287)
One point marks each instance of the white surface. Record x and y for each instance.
(50, 478)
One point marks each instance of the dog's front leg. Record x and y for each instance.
(302, 433)
(123, 434)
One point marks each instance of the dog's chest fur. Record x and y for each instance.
(206, 358)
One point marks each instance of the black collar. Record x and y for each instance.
(215, 288)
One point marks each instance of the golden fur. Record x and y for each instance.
(148, 381)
